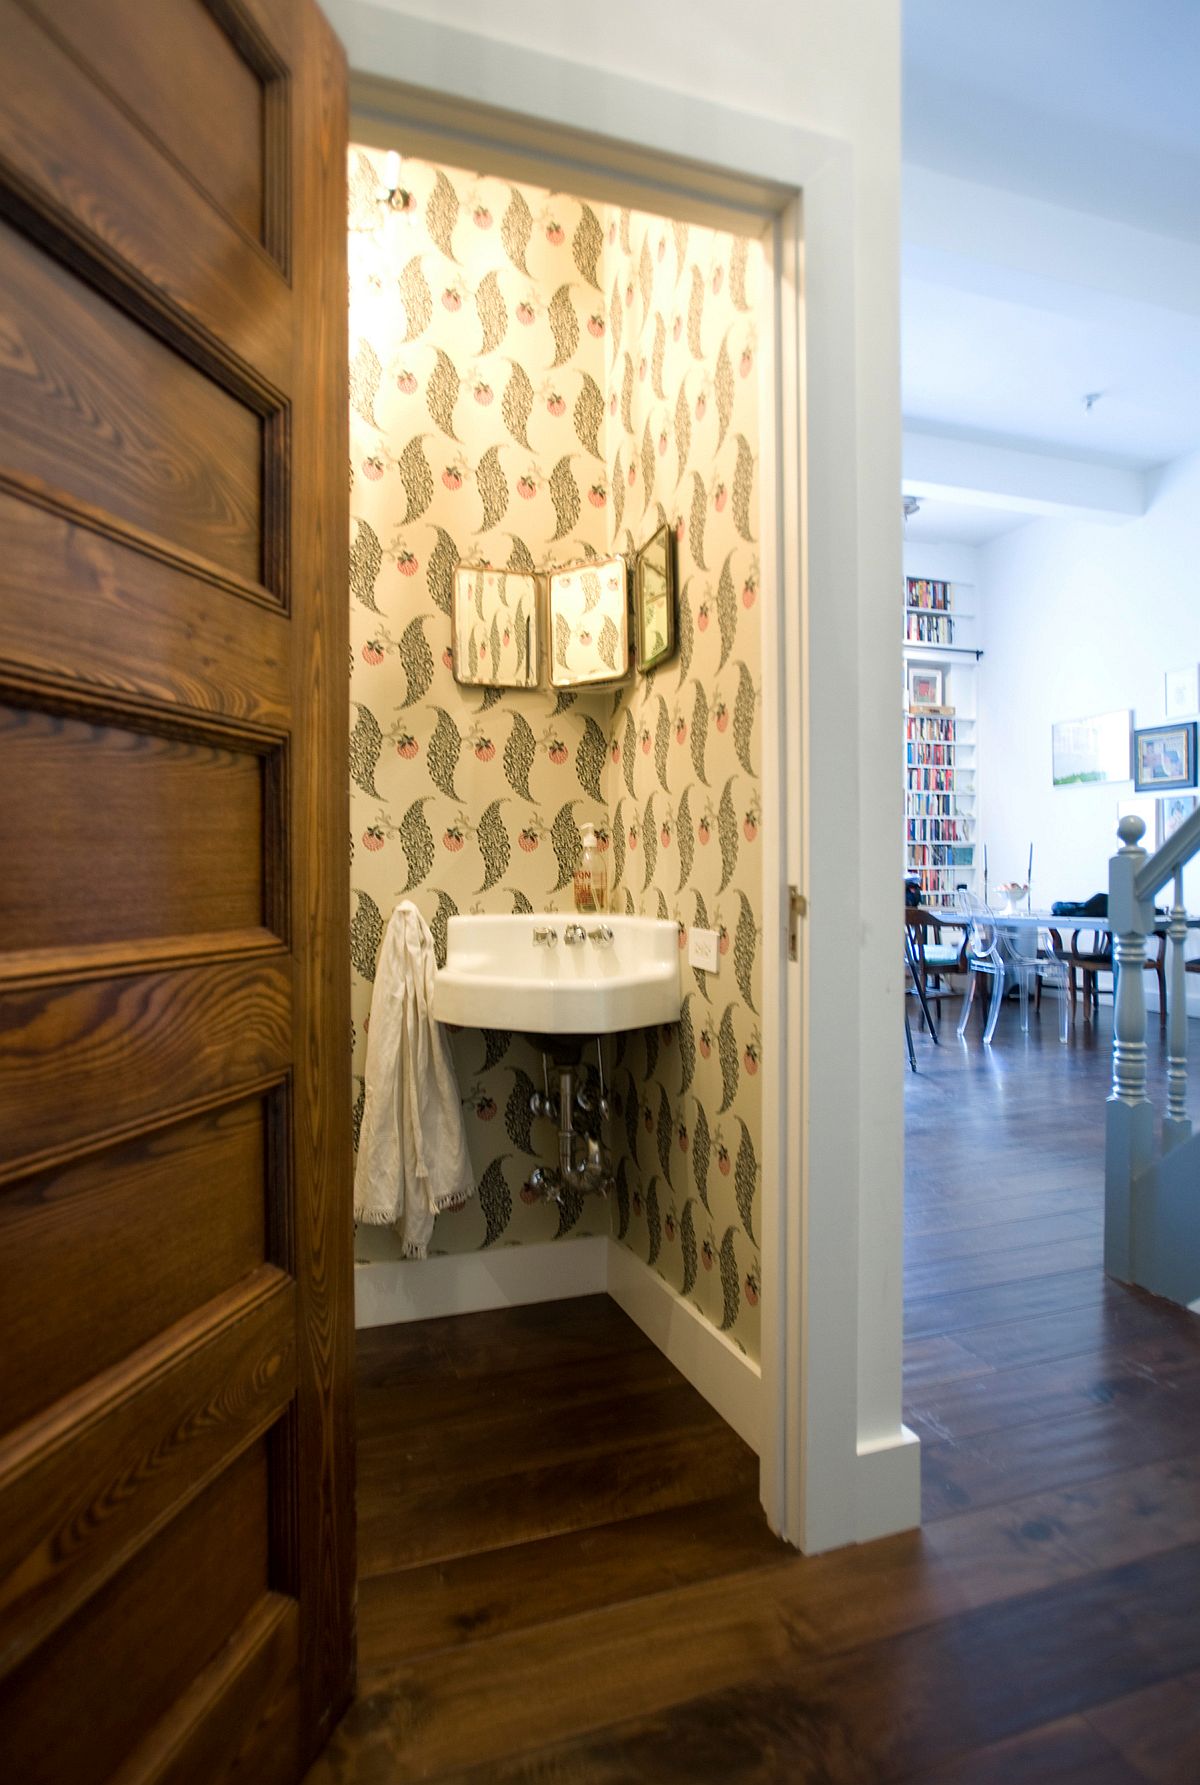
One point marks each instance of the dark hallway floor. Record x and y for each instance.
(566, 1577)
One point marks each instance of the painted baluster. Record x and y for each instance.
(1176, 1126)
(1129, 1126)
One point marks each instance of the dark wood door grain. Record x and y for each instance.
(176, 1320)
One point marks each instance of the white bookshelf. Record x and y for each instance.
(940, 744)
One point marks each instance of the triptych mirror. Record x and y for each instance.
(497, 620)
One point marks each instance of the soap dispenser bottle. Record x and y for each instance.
(591, 876)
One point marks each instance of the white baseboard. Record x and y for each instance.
(729, 1380)
(392, 1291)
(887, 1486)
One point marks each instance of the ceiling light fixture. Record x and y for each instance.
(1091, 398)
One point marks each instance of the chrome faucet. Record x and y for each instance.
(602, 935)
(574, 934)
(545, 936)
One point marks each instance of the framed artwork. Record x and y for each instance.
(924, 687)
(1182, 692)
(1173, 808)
(1164, 756)
(1084, 751)
(654, 599)
(494, 627)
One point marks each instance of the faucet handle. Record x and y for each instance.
(602, 935)
(545, 936)
(574, 934)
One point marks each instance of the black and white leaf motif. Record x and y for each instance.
(564, 494)
(685, 837)
(589, 416)
(570, 1208)
(695, 313)
(658, 356)
(416, 840)
(439, 572)
(653, 1222)
(417, 659)
(365, 373)
(696, 520)
(562, 638)
(647, 462)
(442, 754)
(661, 913)
(731, 1289)
(624, 219)
(590, 579)
(417, 479)
(618, 490)
(417, 299)
(366, 560)
(688, 1247)
(727, 834)
(743, 718)
(607, 644)
(519, 755)
(687, 633)
(622, 1193)
(566, 843)
(366, 742)
(630, 1105)
(564, 325)
(745, 1179)
(743, 488)
(366, 933)
(680, 232)
(590, 754)
(726, 609)
(520, 903)
(441, 214)
(664, 1131)
(520, 558)
(662, 742)
(492, 486)
(518, 1120)
(645, 277)
(586, 246)
(737, 274)
(649, 842)
(490, 698)
(494, 640)
(683, 430)
(493, 317)
(627, 396)
(356, 1114)
(439, 926)
(745, 946)
(727, 1053)
(701, 1153)
(472, 654)
(494, 846)
(618, 845)
(723, 392)
(565, 701)
(628, 750)
(516, 227)
(496, 1043)
(687, 1045)
(516, 405)
(495, 1199)
(441, 394)
(615, 320)
(699, 733)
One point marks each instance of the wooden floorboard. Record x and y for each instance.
(565, 1575)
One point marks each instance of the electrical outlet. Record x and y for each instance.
(704, 950)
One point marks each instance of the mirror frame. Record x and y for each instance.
(533, 650)
(645, 662)
(608, 680)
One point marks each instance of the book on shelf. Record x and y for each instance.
(928, 618)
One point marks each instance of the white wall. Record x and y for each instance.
(1084, 618)
(807, 96)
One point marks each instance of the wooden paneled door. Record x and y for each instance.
(176, 1329)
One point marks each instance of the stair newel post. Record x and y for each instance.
(1176, 1126)
(1129, 1127)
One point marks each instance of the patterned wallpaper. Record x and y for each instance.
(684, 748)
(535, 380)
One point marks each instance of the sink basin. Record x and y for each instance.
(498, 977)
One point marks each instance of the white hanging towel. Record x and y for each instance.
(412, 1149)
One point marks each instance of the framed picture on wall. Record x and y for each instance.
(924, 687)
(1164, 756)
(1087, 750)
(1173, 808)
(1181, 692)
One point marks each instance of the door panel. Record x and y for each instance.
(176, 1321)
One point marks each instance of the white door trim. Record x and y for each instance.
(830, 1253)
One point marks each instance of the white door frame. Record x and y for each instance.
(837, 1465)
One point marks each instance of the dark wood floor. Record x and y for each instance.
(566, 1577)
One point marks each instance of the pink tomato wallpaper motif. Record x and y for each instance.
(536, 380)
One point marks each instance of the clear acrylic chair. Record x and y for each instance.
(1008, 955)
(985, 957)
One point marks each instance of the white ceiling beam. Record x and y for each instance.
(1020, 482)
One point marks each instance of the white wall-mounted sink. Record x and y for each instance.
(556, 973)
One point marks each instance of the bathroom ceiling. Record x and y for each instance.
(1052, 227)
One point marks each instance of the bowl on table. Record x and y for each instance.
(1014, 893)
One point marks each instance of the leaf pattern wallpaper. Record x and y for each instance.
(536, 380)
